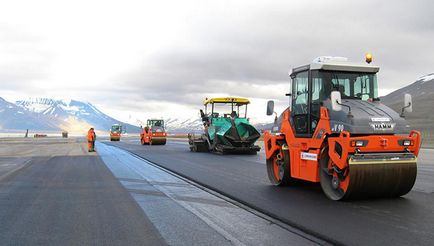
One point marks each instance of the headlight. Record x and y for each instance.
(359, 143)
(406, 142)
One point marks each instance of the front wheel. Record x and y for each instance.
(333, 184)
(278, 168)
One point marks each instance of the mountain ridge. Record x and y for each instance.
(46, 114)
(422, 92)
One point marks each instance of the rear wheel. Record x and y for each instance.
(193, 148)
(334, 182)
(278, 168)
(253, 152)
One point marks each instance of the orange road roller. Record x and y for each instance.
(153, 133)
(115, 132)
(336, 132)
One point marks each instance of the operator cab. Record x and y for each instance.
(155, 125)
(312, 86)
(116, 128)
(227, 107)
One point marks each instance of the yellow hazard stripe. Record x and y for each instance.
(411, 161)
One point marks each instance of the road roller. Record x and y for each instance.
(336, 132)
(153, 133)
(226, 128)
(115, 132)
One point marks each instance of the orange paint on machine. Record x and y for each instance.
(336, 132)
(153, 133)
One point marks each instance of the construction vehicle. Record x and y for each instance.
(338, 133)
(153, 133)
(226, 128)
(115, 132)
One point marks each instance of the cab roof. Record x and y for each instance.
(337, 64)
(236, 100)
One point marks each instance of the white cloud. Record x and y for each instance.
(160, 58)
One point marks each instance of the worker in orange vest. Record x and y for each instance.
(91, 140)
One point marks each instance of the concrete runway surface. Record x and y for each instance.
(408, 220)
(53, 192)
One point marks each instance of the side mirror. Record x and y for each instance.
(270, 107)
(336, 101)
(408, 105)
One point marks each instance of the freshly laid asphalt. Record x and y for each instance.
(408, 220)
(53, 192)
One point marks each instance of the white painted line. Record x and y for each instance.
(19, 167)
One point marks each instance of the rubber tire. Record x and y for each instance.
(325, 179)
(253, 152)
(286, 177)
(193, 148)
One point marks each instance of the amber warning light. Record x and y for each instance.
(368, 58)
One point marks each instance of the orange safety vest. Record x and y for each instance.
(90, 136)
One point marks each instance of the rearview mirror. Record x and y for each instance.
(336, 101)
(408, 105)
(270, 107)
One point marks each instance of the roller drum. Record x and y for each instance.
(371, 176)
(158, 141)
(115, 138)
(381, 179)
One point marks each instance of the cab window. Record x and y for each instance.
(301, 93)
(318, 95)
(300, 99)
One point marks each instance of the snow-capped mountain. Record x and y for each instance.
(45, 114)
(183, 125)
(72, 114)
(13, 117)
(422, 87)
(422, 92)
(60, 108)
